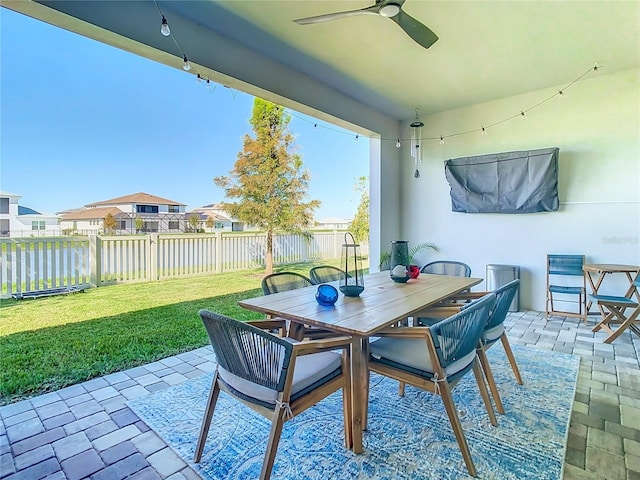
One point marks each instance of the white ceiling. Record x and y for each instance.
(487, 49)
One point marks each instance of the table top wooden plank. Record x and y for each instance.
(610, 268)
(382, 303)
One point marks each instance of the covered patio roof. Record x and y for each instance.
(485, 51)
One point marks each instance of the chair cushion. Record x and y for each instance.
(565, 289)
(413, 353)
(308, 370)
(493, 334)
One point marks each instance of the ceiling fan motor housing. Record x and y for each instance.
(390, 10)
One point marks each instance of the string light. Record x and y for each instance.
(416, 125)
(164, 29)
(441, 138)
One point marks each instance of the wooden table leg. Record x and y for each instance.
(594, 290)
(365, 382)
(357, 365)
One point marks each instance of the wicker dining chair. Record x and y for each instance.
(447, 267)
(442, 267)
(436, 358)
(282, 282)
(273, 376)
(493, 331)
(325, 274)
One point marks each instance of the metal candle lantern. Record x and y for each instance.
(352, 278)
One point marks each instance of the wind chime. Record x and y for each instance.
(416, 141)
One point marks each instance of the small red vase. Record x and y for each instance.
(414, 271)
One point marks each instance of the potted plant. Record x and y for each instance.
(414, 270)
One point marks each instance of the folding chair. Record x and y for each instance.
(559, 267)
(614, 307)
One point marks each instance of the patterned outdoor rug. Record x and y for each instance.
(407, 438)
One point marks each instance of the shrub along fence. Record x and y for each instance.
(35, 265)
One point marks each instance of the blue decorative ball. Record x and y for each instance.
(326, 294)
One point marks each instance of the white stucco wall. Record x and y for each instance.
(597, 128)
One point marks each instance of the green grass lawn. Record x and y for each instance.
(53, 342)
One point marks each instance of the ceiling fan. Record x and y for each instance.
(387, 8)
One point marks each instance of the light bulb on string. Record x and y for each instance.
(357, 136)
(164, 29)
(523, 115)
(441, 140)
(186, 66)
(561, 93)
(484, 131)
(398, 144)
(199, 78)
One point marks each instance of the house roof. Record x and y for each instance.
(218, 214)
(98, 213)
(8, 194)
(140, 197)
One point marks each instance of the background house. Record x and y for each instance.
(333, 223)
(222, 220)
(19, 221)
(135, 213)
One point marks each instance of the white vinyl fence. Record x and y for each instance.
(32, 265)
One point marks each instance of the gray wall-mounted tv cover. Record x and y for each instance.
(511, 182)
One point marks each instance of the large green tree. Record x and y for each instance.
(268, 180)
(360, 224)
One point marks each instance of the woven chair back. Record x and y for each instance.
(247, 351)
(504, 297)
(448, 267)
(283, 281)
(325, 274)
(458, 335)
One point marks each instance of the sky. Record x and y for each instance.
(81, 121)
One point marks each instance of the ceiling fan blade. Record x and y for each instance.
(334, 16)
(420, 33)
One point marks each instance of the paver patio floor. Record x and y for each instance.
(87, 431)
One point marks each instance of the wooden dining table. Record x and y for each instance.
(382, 304)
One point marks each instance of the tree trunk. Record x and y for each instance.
(269, 254)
